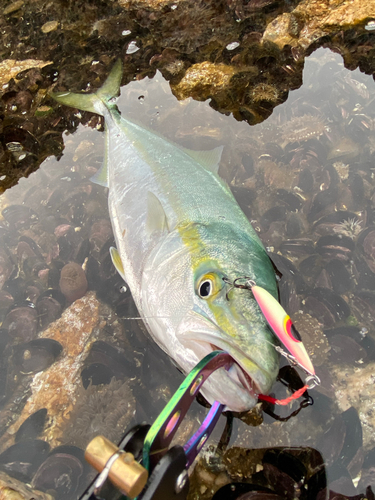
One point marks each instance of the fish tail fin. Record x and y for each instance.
(94, 102)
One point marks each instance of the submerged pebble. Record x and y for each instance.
(49, 26)
(13, 7)
(232, 46)
(73, 282)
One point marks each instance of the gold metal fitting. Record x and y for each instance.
(120, 467)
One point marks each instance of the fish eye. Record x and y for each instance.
(205, 288)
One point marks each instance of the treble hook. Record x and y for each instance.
(312, 380)
(249, 283)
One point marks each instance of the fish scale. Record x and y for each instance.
(179, 232)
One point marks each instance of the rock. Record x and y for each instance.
(108, 409)
(12, 489)
(13, 7)
(49, 26)
(203, 80)
(313, 19)
(205, 49)
(151, 5)
(354, 386)
(10, 68)
(55, 388)
(278, 31)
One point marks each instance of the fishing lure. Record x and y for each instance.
(281, 324)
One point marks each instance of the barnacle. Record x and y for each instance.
(303, 128)
(264, 92)
(106, 410)
(350, 227)
(175, 67)
(342, 169)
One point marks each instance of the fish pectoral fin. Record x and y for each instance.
(208, 159)
(156, 217)
(117, 262)
(101, 176)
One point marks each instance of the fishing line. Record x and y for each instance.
(247, 283)
(144, 317)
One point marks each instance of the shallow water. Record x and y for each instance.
(305, 179)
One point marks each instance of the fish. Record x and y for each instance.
(180, 239)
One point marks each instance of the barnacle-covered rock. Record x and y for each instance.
(13, 489)
(312, 19)
(203, 80)
(55, 388)
(106, 410)
(9, 68)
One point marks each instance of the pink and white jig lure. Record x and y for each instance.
(283, 327)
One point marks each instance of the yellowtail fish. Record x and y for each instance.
(179, 232)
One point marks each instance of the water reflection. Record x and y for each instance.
(305, 180)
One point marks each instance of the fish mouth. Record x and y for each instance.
(239, 386)
(246, 383)
(239, 374)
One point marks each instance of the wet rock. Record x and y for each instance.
(316, 19)
(10, 67)
(50, 26)
(12, 489)
(106, 410)
(354, 386)
(241, 463)
(202, 80)
(55, 388)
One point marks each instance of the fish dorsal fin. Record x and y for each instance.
(117, 262)
(156, 217)
(208, 159)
